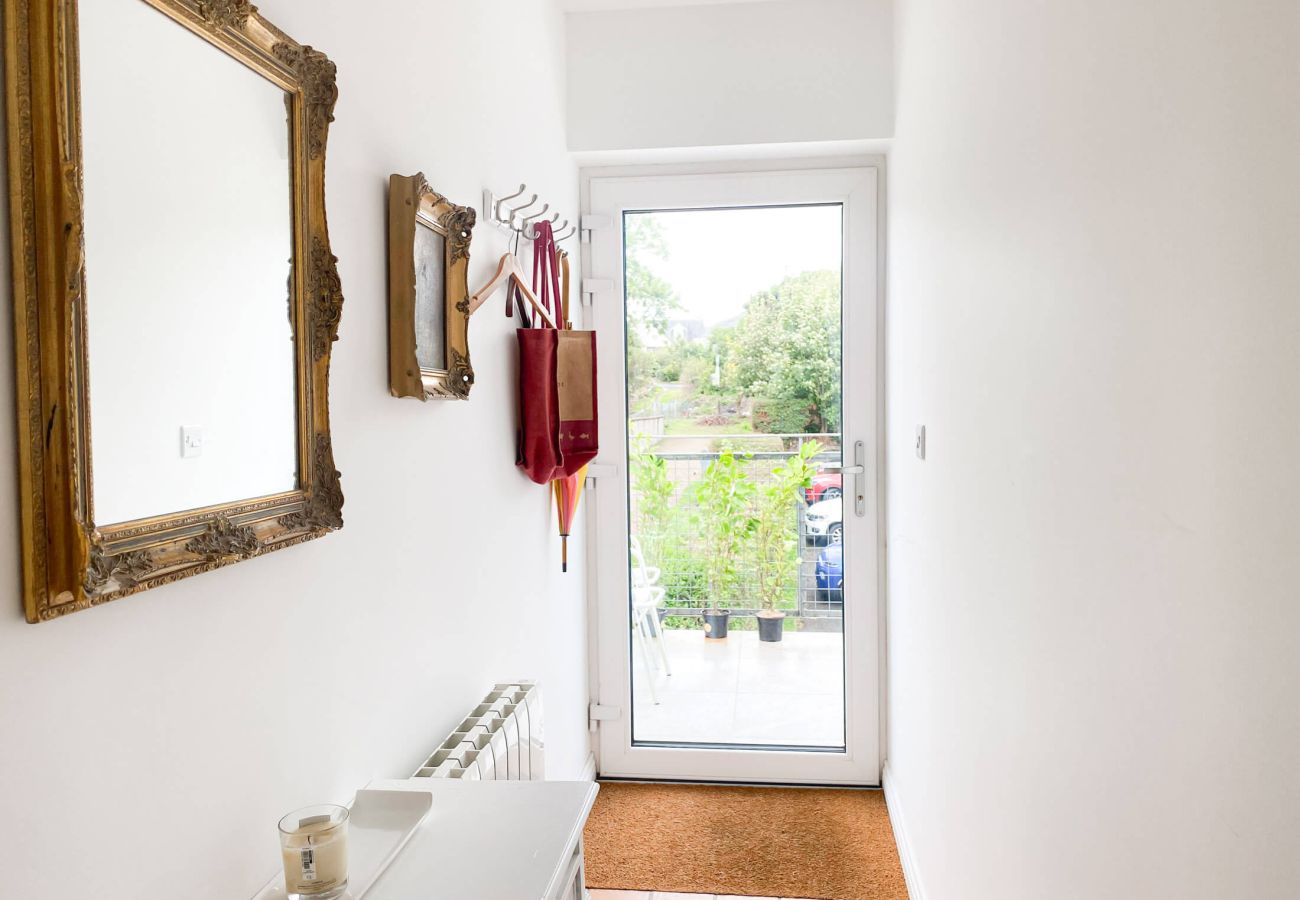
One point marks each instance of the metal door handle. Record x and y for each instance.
(859, 472)
(860, 479)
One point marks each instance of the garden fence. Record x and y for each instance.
(665, 517)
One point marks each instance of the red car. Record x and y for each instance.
(825, 486)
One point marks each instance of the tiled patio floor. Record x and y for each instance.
(744, 691)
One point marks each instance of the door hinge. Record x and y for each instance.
(597, 714)
(599, 470)
(593, 286)
(590, 223)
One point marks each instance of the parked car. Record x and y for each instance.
(825, 486)
(829, 574)
(824, 522)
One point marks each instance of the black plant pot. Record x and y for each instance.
(771, 628)
(715, 624)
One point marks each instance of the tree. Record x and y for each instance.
(787, 346)
(724, 521)
(652, 487)
(775, 543)
(650, 300)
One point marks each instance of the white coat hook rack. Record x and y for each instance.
(516, 212)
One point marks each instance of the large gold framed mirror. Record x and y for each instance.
(175, 297)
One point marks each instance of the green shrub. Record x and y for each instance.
(724, 520)
(775, 544)
(653, 487)
(783, 416)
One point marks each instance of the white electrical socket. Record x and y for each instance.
(920, 442)
(191, 441)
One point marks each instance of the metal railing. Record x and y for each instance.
(666, 518)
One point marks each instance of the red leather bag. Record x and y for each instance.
(558, 424)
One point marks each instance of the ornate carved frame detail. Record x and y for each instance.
(70, 562)
(411, 204)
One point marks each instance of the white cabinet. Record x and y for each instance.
(492, 840)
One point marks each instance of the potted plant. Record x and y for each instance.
(724, 521)
(776, 540)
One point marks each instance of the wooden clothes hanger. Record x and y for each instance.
(564, 289)
(509, 270)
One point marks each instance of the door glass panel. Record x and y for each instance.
(734, 396)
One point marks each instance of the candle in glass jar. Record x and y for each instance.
(314, 847)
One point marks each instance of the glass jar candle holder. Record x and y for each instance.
(314, 846)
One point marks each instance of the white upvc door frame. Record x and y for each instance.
(860, 188)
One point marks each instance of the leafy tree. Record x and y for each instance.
(650, 300)
(786, 415)
(679, 359)
(724, 521)
(787, 346)
(775, 543)
(653, 487)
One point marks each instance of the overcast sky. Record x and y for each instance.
(718, 259)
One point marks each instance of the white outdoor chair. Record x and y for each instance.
(647, 594)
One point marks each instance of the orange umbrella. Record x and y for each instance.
(567, 492)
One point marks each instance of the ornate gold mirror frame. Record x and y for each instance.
(413, 205)
(70, 563)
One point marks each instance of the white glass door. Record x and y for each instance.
(736, 507)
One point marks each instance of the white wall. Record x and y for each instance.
(1094, 217)
(149, 746)
(730, 74)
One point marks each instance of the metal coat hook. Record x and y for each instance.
(509, 215)
(528, 230)
(518, 209)
(528, 220)
(496, 207)
(509, 218)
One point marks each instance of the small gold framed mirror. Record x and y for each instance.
(175, 298)
(428, 292)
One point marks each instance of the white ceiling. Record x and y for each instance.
(586, 5)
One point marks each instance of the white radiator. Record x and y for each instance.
(500, 739)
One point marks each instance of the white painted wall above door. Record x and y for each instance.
(725, 74)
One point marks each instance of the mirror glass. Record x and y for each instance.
(189, 246)
(430, 297)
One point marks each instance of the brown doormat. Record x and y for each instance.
(816, 843)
